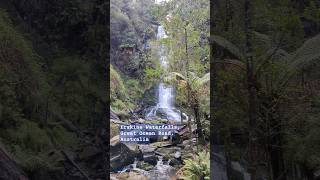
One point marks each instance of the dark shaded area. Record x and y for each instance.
(53, 90)
(266, 87)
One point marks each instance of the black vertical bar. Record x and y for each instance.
(107, 107)
(212, 92)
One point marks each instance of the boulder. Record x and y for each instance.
(131, 176)
(168, 152)
(144, 166)
(175, 162)
(150, 158)
(147, 148)
(121, 154)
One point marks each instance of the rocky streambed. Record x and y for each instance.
(155, 161)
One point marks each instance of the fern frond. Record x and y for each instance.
(307, 53)
(230, 47)
(263, 39)
(204, 79)
(198, 166)
(175, 74)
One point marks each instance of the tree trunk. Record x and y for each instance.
(252, 94)
(228, 7)
(199, 125)
(187, 72)
(276, 155)
(227, 147)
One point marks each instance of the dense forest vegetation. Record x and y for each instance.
(266, 88)
(53, 102)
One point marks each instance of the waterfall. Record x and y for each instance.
(166, 93)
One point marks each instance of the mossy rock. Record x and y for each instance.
(114, 129)
(145, 166)
(149, 97)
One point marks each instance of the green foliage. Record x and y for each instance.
(72, 90)
(198, 167)
(187, 26)
(129, 22)
(117, 92)
(117, 88)
(39, 164)
(62, 137)
(124, 92)
(303, 136)
(65, 79)
(312, 11)
(134, 89)
(10, 112)
(281, 55)
(30, 136)
(192, 89)
(152, 74)
(119, 106)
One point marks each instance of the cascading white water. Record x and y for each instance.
(166, 94)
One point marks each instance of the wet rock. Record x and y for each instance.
(129, 176)
(176, 138)
(175, 162)
(149, 98)
(177, 155)
(147, 148)
(161, 113)
(165, 151)
(122, 154)
(150, 158)
(168, 153)
(144, 166)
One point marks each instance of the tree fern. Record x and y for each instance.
(194, 81)
(302, 57)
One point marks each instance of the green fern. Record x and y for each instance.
(229, 46)
(194, 81)
(197, 168)
(33, 162)
(29, 136)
